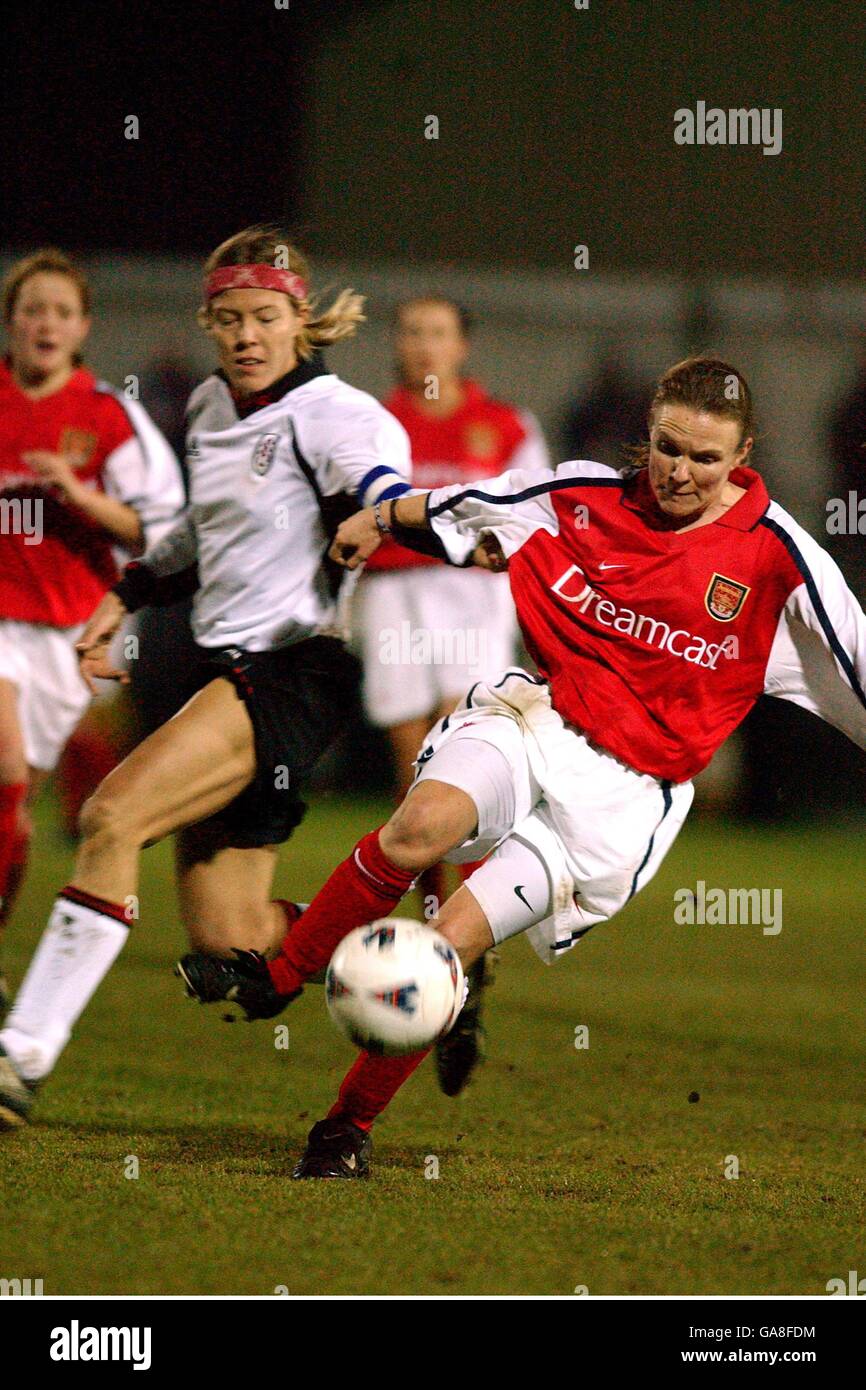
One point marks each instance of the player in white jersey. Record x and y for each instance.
(279, 449)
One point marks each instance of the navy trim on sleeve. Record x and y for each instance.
(536, 490)
(817, 603)
(371, 475)
(395, 490)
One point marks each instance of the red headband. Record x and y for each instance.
(254, 277)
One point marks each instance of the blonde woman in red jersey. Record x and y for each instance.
(659, 604)
(426, 630)
(82, 472)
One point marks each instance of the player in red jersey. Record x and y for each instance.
(660, 605)
(426, 629)
(82, 472)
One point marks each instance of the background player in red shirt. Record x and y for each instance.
(82, 471)
(427, 630)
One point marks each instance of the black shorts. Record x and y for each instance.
(299, 699)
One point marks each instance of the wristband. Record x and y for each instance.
(382, 525)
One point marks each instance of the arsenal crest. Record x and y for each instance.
(725, 597)
(80, 444)
(263, 454)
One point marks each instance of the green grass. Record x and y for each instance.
(558, 1167)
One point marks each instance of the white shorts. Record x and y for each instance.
(42, 663)
(424, 635)
(599, 828)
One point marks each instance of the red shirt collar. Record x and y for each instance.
(743, 516)
(81, 379)
(402, 401)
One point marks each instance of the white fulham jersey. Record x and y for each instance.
(254, 524)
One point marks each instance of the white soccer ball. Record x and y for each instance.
(394, 986)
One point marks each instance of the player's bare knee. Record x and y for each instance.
(105, 821)
(423, 829)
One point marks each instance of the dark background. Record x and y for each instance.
(556, 126)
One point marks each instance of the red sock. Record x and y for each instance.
(370, 1084)
(365, 886)
(12, 796)
(14, 874)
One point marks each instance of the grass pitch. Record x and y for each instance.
(560, 1169)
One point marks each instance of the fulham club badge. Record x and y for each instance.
(263, 454)
(725, 597)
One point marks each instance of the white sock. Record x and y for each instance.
(76, 952)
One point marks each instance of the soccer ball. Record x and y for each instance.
(394, 986)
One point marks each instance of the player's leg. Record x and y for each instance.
(14, 818)
(19, 852)
(470, 792)
(367, 885)
(189, 769)
(497, 777)
(42, 700)
(399, 686)
(225, 893)
(406, 739)
(620, 831)
(339, 1146)
(474, 611)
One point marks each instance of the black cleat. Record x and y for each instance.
(335, 1149)
(244, 981)
(460, 1051)
(16, 1095)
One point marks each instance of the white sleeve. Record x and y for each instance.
(175, 550)
(368, 455)
(531, 453)
(144, 473)
(818, 657)
(509, 507)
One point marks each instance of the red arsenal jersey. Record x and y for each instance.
(479, 440)
(657, 643)
(60, 579)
